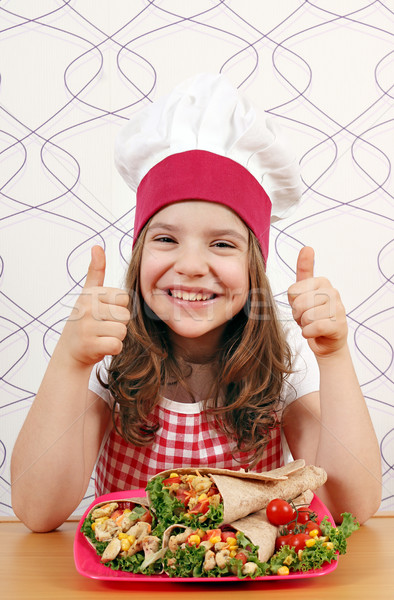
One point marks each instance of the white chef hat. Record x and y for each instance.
(204, 141)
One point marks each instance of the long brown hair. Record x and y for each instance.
(252, 363)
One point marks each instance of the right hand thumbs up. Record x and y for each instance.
(98, 323)
(96, 271)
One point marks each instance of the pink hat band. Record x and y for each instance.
(202, 175)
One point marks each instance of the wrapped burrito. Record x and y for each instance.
(121, 533)
(211, 497)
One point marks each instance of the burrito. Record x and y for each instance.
(211, 497)
(121, 534)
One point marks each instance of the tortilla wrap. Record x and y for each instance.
(280, 474)
(142, 501)
(260, 531)
(242, 497)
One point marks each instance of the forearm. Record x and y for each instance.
(48, 470)
(347, 447)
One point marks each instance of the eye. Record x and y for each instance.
(164, 239)
(223, 245)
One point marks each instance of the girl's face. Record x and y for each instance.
(194, 269)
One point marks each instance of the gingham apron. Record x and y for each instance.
(186, 438)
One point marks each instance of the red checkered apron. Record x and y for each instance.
(185, 439)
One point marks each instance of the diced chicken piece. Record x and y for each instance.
(104, 532)
(140, 530)
(150, 545)
(220, 545)
(249, 568)
(201, 484)
(104, 511)
(207, 545)
(209, 562)
(215, 500)
(222, 558)
(111, 551)
(177, 540)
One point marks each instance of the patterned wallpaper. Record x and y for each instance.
(73, 71)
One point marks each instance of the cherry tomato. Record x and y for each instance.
(281, 541)
(242, 557)
(227, 534)
(298, 541)
(279, 512)
(310, 525)
(303, 515)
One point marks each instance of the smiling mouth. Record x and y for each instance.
(191, 296)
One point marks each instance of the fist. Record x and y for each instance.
(317, 308)
(98, 323)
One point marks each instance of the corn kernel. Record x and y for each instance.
(324, 538)
(101, 520)
(310, 543)
(233, 553)
(126, 511)
(202, 497)
(125, 544)
(131, 539)
(215, 539)
(93, 526)
(194, 540)
(299, 554)
(328, 545)
(283, 571)
(174, 475)
(314, 533)
(231, 541)
(122, 536)
(288, 560)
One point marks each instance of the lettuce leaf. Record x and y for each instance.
(170, 511)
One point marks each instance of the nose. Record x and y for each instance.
(191, 261)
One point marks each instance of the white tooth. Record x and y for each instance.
(199, 297)
(185, 296)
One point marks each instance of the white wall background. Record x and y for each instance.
(73, 71)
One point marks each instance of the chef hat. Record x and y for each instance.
(204, 141)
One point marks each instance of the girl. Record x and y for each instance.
(196, 366)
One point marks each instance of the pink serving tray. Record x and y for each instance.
(88, 563)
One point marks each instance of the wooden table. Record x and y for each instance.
(38, 566)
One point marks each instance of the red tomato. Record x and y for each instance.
(171, 480)
(298, 541)
(303, 515)
(242, 557)
(212, 490)
(182, 496)
(116, 514)
(281, 541)
(126, 505)
(146, 517)
(310, 525)
(227, 534)
(200, 509)
(279, 512)
(212, 533)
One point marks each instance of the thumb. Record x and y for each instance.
(305, 263)
(96, 271)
